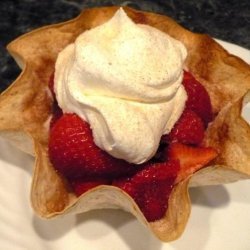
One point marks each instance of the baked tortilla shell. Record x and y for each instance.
(26, 108)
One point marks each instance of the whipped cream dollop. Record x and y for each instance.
(124, 79)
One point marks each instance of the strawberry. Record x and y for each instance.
(81, 186)
(74, 154)
(198, 98)
(125, 184)
(189, 129)
(151, 187)
(191, 158)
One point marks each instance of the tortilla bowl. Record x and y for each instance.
(26, 109)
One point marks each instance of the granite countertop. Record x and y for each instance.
(228, 20)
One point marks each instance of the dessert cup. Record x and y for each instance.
(26, 110)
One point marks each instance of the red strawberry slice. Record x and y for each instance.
(151, 187)
(198, 98)
(191, 158)
(189, 129)
(125, 184)
(74, 154)
(81, 186)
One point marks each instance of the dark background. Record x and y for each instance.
(227, 20)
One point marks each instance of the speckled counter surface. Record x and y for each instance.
(228, 20)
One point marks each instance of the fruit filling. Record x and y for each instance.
(74, 154)
(124, 117)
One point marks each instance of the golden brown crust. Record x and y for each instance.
(50, 194)
(173, 224)
(230, 134)
(25, 108)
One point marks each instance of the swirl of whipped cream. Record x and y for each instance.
(124, 79)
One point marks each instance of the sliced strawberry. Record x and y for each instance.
(153, 199)
(126, 185)
(73, 152)
(189, 129)
(81, 186)
(191, 158)
(154, 172)
(151, 187)
(198, 98)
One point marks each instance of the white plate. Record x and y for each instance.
(220, 217)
